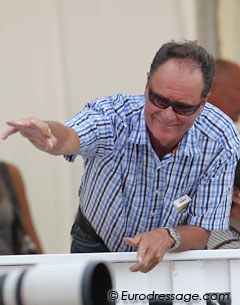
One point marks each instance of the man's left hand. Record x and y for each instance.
(152, 246)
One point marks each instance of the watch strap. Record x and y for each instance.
(176, 237)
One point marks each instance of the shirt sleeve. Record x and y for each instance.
(211, 205)
(94, 126)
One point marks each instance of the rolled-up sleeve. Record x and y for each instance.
(211, 204)
(95, 131)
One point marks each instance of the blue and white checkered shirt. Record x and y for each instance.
(126, 189)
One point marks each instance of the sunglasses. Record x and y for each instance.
(178, 107)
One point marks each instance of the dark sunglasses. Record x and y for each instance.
(178, 107)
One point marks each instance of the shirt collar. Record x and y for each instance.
(139, 134)
(190, 144)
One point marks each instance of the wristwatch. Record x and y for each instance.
(176, 237)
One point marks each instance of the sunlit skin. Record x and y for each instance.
(179, 82)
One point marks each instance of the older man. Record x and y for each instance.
(159, 167)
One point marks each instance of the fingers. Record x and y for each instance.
(15, 128)
(30, 125)
(50, 143)
(144, 268)
(136, 242)
(20, 124)
(132, 242)
(146, 261)
(35, 130)
(9, 132)
(151, 249)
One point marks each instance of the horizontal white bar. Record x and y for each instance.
(116, 257)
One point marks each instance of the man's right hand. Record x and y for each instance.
(36, 131)
(49, 136)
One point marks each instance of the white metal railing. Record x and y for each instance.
(184, 277)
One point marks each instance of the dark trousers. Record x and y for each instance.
(84, 238)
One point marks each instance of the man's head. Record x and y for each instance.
(225, 92)
(189, 52)
(178, 83)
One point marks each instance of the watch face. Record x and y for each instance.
(175, 235)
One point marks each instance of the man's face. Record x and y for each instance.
(178, 82)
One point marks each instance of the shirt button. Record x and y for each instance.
(157, 192)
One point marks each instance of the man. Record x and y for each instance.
(225, 92)
(159, 167)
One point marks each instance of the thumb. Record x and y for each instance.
(132, 241)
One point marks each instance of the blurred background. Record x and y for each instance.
(55, 55)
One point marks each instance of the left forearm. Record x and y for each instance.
(192, 238)
(153, 245)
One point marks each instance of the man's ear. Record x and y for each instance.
(209, 93)
(200, 110)
(206, 99)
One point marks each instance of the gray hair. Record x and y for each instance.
(191, 53)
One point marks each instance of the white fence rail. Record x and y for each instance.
(183, 278)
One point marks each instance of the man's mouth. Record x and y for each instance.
(167, 125)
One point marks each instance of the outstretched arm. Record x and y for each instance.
(52, 137)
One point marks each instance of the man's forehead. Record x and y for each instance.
(175, 77)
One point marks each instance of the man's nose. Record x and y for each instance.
(169, 113)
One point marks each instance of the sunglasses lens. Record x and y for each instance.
(185, 110)
(157, 101)
(177, 108)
